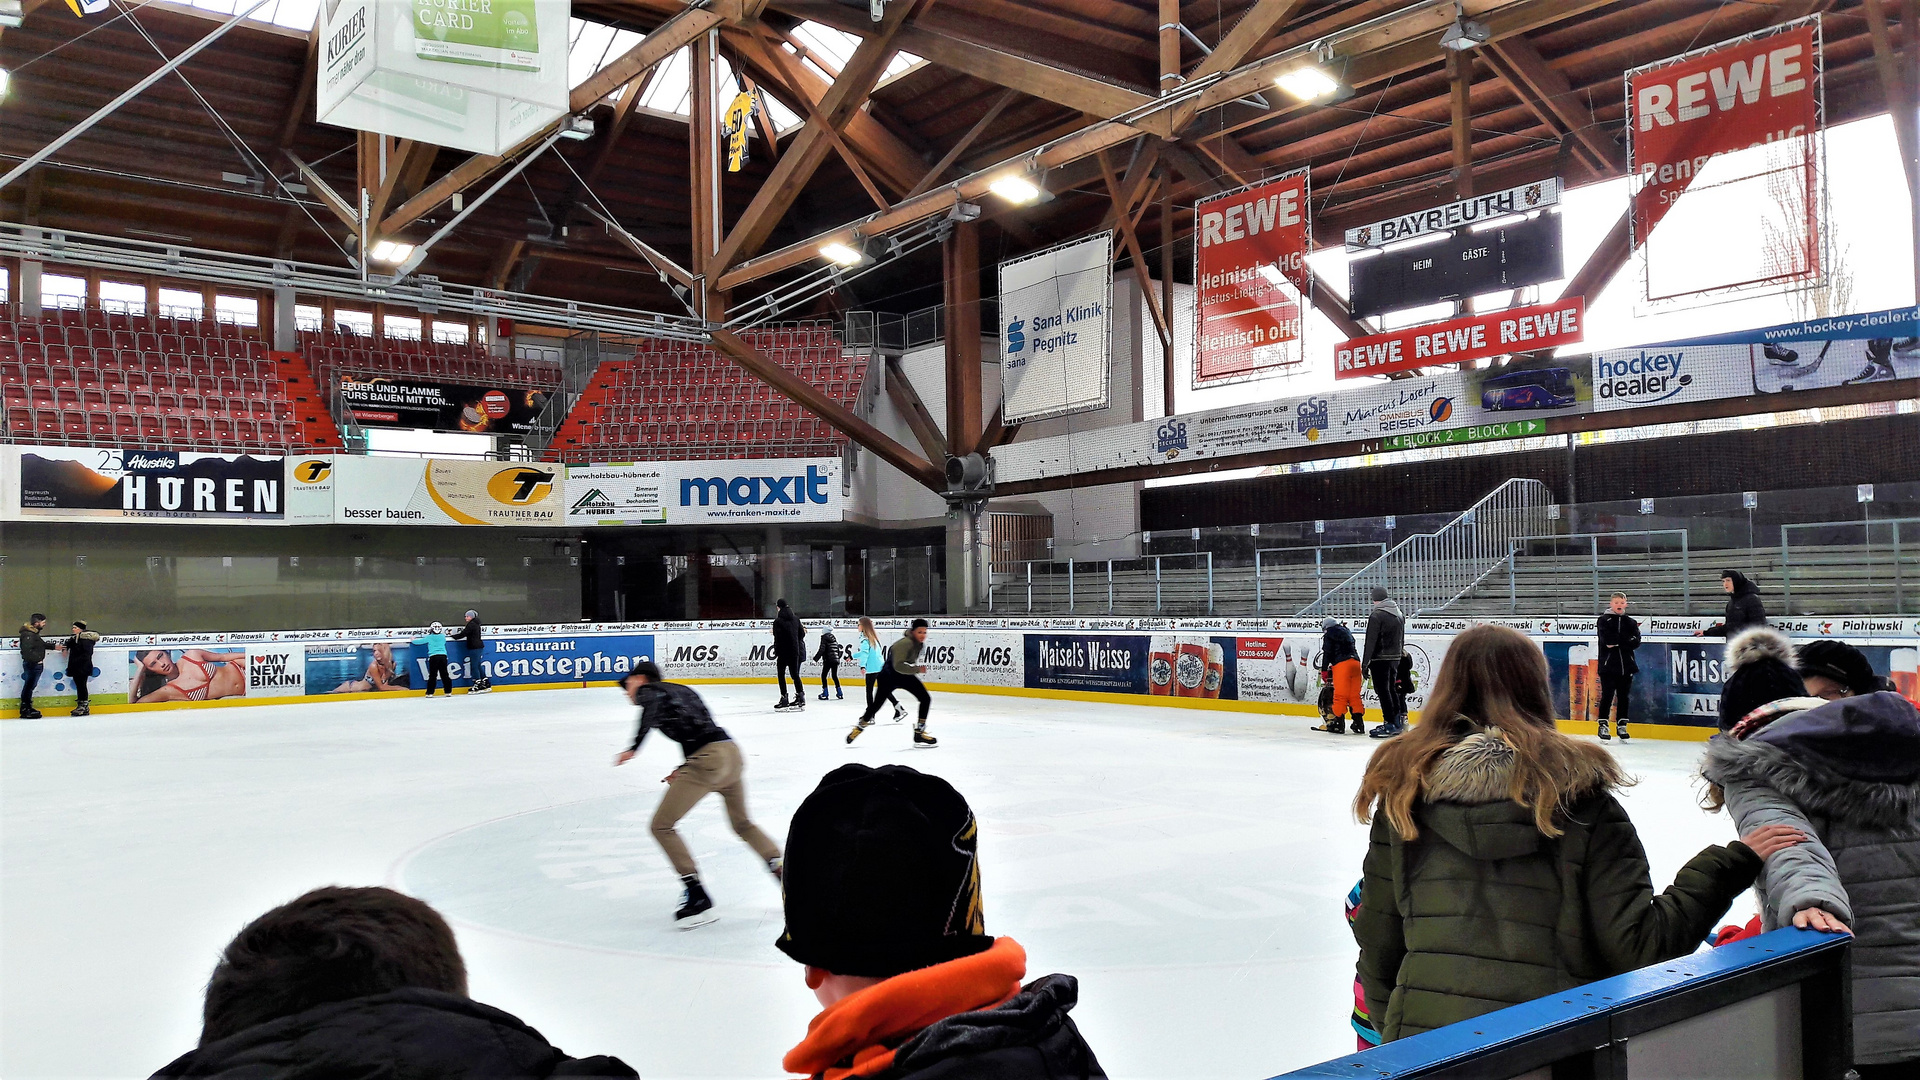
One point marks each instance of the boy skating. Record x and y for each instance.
(829, 658)
(902, 672)
(1619, 636)
(713, 763)
(789, 646)
(471, 636)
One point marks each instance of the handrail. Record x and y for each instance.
(1429, 571)
(1686, 563)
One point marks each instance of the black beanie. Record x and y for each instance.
(1378, 594)
(1758, 670)
(1840, 662)
(881, 874)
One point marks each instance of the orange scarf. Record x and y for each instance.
(859, 1026)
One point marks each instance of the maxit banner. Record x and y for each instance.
(698, 492)
(1054, 316)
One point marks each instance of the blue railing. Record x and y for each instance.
(1773, 1007)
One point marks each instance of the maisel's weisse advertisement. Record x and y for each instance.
(1251, 281)
(75, 483)
(400, 401)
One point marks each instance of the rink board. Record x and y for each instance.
(1250, 665)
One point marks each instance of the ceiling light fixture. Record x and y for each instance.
(1464, 34)
(1016, 188)
(844, 254)
(6, 80)
(1308, 83)
(391, 252)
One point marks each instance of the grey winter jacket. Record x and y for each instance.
(1386, 633)
(1848, 773)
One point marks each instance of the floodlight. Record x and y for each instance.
(1016, 188)
(964, 211)
(1308, 83)
(576, 128)
(1464, 33)
(844, 254)
(391, 252)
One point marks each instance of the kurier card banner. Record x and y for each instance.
(696, 492)
(77, 483)
(478, 75)
(1842, 350)
(1723, 143)
(415, 403)
(1250, 267)
(438, 491)
(1475, 337)
(1053, 330)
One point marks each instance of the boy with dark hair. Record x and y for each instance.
(829, 659)
(1619, 636)
(360, 982)
(883, 907)
(713, 763)
(789, 648)
(903, 672)
(33, 661)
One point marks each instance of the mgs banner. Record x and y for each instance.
(414, 403)
(62, 483)
(1250, 267)
(1730, 133)
(1053, 339)
(404, 491)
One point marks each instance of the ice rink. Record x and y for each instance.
(1187, 866)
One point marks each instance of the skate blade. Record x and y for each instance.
(695, 921)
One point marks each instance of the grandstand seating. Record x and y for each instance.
(676, 400)
(91, 377)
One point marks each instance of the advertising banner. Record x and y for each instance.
(1475, 337)
(1252, 281)
(474, 76)
(1457, 215)
(697, 492)
(1103, 663)
(407, 402)
(1054, 308)
(309, 488)
(1718, 129)
(75, 483)
(1843, 350)
(1526, 251)
(439, 491)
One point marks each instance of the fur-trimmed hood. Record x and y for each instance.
(1855, 760)
(1751, 646)
(1467, 795)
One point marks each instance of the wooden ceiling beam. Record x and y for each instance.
(1551, 98)
(960, 147)
(890, 161)
(302, 91)
(1142, 275)
(906, 401)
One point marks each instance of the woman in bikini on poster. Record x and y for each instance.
(197, 675)
(382, 674)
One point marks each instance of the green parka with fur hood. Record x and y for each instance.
(1483, 910)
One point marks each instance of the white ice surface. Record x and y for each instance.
(1187, 866)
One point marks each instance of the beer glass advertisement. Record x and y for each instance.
(1111, 664)
(1194, 665)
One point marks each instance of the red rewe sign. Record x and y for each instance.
(1685, 112)
(1250, 272)
(1475, 337)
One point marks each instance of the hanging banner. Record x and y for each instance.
(1731, 131)
(696, 492)
(436, 491)
(1457, 215)
(407, 402)
(1053, 330)
(1252, 281)
(1475, 337)
(79, 483)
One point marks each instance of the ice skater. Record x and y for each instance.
(789, 645)
(33, 660)
(713, 763)
(829, 658)
(79, 653)
(873, 658)
(472, 636)
(1340, 669)
(1619, 636)
(437, 674)
(903, 672)
(1386, 644)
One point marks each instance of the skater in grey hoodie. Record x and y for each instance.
(1386, 644)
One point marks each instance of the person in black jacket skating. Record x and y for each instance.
(1386, 644)
(471, 635)
(362, 983)
(828, 657)
(1340, 670)
(883, 906)
(713, 763)
(1619, 637)
(1744, 608)
(789, 647)
(79, 653)
(33, 661)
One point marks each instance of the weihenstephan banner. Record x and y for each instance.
(1054, 308)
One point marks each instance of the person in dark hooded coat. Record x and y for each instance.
(360, 983)
(1744, 608)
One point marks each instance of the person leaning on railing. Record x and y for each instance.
(1501, 867)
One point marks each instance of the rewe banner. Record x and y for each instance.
(1251, 281)
(1475, 337)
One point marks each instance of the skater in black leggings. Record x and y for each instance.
(902, 672)
(829, 658)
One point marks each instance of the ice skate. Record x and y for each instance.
(1621, 729)
(823, 695)
(1907, 345)
(1358, 725)
(857, 729)
(29, 713)
(1332, 725)
(1604, 737)
(921, 738)
(1385, 731)
(899, 712)
(786, 704)
(81, 710)
(1780, 355)
(777, 866)
(838, 695)
(696, 907)
(1872, 373)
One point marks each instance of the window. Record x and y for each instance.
(6, 284)
(451, 333)
(402, 327)
(354, 322)
(62, 291)
(124, 297)
(182, 303)
(238, 310)
(309, 317)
